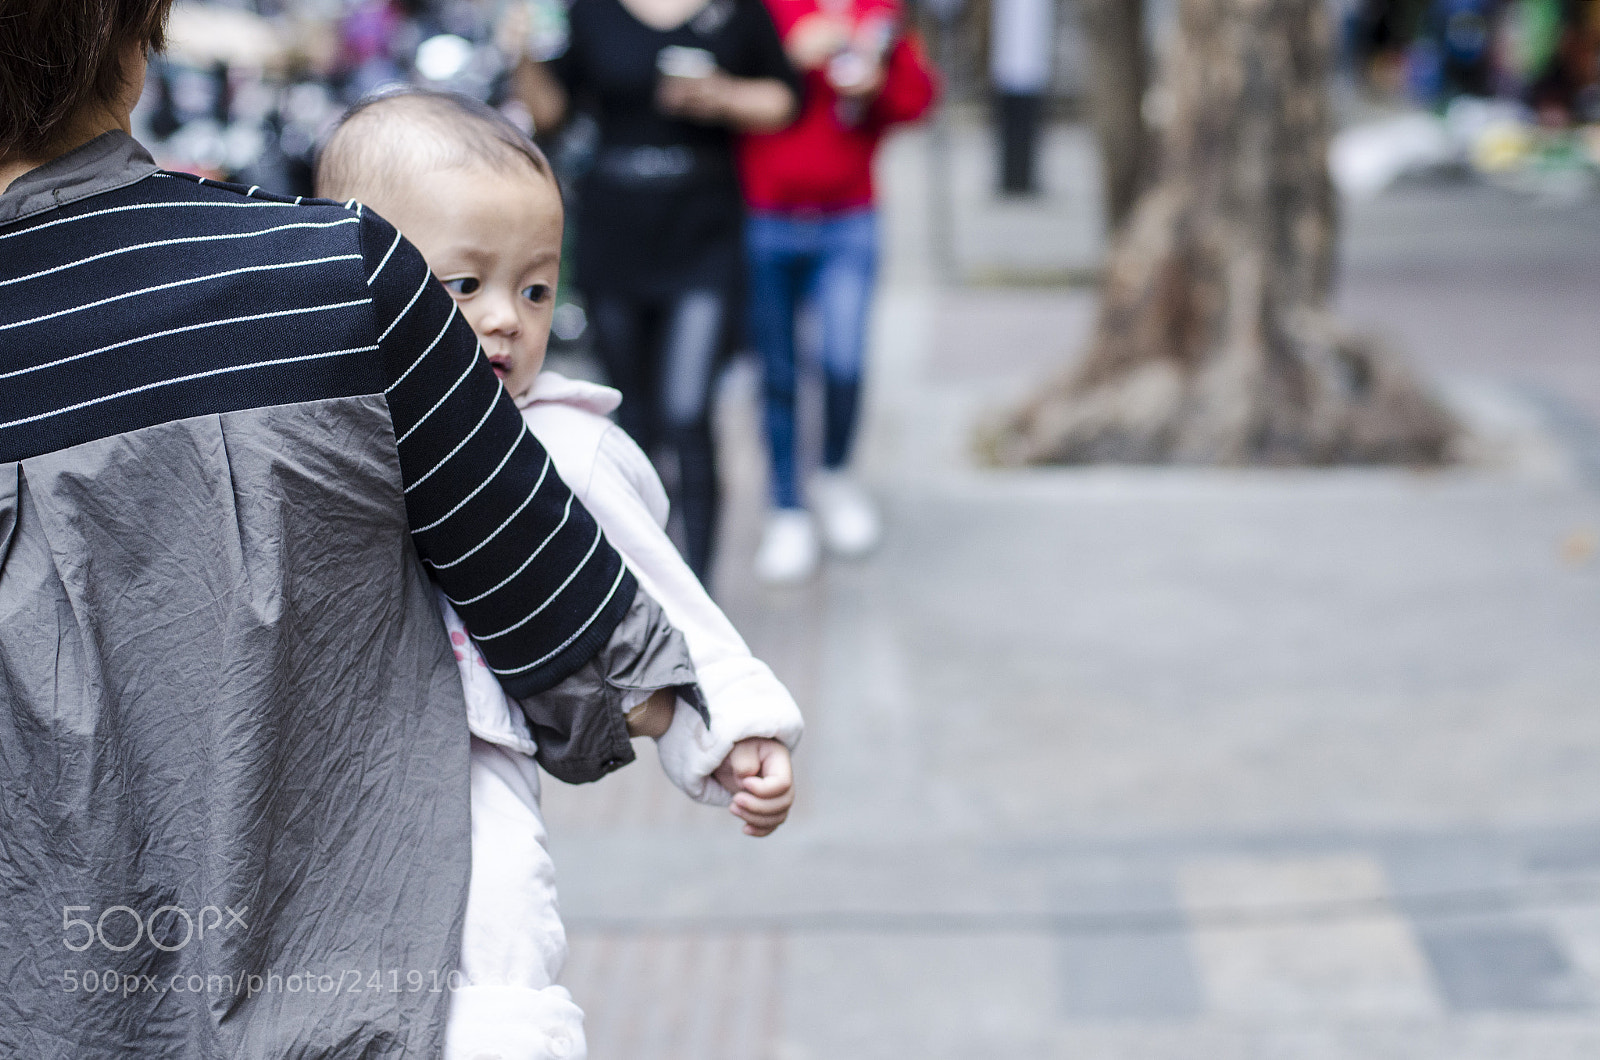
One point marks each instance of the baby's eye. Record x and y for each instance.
(462, 285)
(539, 292)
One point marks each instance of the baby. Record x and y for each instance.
(478, 199)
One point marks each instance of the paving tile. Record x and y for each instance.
(1423, 867)
(1123, 952)
(856, 996)
(1570, 850)
(1147, 977)
(677, 996)
(1502, 967)
(1577, 931)
(1483, 1038)
(1303, 936)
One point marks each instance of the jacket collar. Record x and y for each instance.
(551, 387)
(111, 160)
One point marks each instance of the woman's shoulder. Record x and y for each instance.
(265, 221)
(172, 185)
(344, 248)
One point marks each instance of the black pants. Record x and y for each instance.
(663, 354)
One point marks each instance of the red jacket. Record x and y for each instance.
(820, 163)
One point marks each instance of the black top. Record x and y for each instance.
(166, 297)
(661, 210)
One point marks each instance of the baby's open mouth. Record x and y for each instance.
(500, 364)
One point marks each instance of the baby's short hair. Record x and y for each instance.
(406, 130)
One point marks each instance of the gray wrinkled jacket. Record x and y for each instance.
(244, 812)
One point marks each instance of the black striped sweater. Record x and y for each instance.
(167, 297)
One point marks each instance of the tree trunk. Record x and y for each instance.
(1115, 33)
(1214, 343)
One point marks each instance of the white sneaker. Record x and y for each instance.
(789, 549)
(850, 523)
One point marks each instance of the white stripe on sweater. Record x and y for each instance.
(581, 630)
(178, 331)
(257, 205)
(176, 242)
(496, 532)
(462, 378)
(427, 278)
(584, 562)
(498, 468)
(179, 283)
(461, 444)
(566, 513)
(385, 260)
(431, 345)
(185, 379)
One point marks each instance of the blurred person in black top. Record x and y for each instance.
(659, 218)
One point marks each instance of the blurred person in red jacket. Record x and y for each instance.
(812, 240)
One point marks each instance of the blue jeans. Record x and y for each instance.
(829, 263)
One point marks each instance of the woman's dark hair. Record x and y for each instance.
(57, 56)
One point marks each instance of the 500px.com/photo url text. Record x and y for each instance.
(250, 984)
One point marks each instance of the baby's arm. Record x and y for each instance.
(757, 772)
(653, 717)
(746, 701)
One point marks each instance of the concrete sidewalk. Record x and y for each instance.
(1140, 764)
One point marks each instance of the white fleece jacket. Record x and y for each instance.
(513, 945)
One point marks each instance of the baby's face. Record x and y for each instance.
(493, 238)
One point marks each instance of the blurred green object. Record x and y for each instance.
(1534, 28)
(536, 29)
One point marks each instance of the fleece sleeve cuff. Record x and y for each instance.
(746, 700)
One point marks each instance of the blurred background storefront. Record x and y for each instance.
(248, 84)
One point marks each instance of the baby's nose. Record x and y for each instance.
(502, 320)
